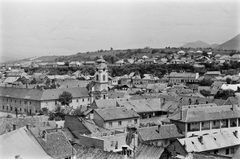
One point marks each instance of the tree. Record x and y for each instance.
(205, 92)
(205, 82)
(65, 98)
(224, 94)
(228, 80)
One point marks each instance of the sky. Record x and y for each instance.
(57, 27)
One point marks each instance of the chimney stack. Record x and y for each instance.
(159, 127)
(124, 151)
(200, 139)
(27, 126)
(14, 127)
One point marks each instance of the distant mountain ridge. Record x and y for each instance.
(199, 44)
(232, 44)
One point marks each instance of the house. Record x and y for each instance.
(224, 58)
(146, 108)
(184, 77)
(74, 64)
(160, 135)
(21, 143)
(233, 87)
(235, 57)
(116, 118)
(120, 62)
(89, 63)
(212, 74)
(114, 81)
(31, 101)
(221, 143)
(181, 52)
(55, 143)
(149, 61)
(206, 119)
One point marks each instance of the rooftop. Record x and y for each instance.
(159, 132)
(116, 113)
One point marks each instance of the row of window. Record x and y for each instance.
(120, 123)
(15, 101)
(11, 109)
(227, 151)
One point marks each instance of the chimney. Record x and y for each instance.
(159, 127)
(56, 127)
(14, 127)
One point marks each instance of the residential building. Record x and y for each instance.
(146, 108)
(235, 57)
(74, 64)
(224, 143)
(184, 77)
(206, 119)
(31, 101)
(160, 135)
(212, 74)
(116, 118)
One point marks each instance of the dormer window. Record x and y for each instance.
(104, 69)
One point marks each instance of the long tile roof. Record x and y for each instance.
(205, 112)
(41, 95)
(159, 133)
(116, 113)
(210, 142)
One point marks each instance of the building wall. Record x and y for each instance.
(8, 104)
(98, 120)
(228, 151)
(160, 143)
(90, 142)
(115, 125)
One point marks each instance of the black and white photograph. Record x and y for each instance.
(119, 79)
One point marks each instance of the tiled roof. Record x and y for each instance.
(21, 142)
(95, 153)
(210, 142)
(73, 83)
(142, 105)
(185, 74)
(164, 132)
(201, 155)
(116, 113)
(205, 112)
(145, 151)
(106, 103)
(11, 79)
(56, 144)
(92, 127)
(35, 94)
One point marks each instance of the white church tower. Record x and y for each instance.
(100, 88)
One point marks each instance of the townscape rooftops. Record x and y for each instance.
(210, 142)
(184, 74)
(205, 112)
(21, 142)
(159, 132)
(116, 114)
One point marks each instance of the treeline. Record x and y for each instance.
(156, 69)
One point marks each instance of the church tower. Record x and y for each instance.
(100, 88)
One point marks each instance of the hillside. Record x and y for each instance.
(197, 44)
(232, 44)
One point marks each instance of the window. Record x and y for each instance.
(227, 151)
(55, 102)
(7, 100)
(83, 99)
(88, 99)
(120, 123)
(20, 109)
(15, 101)
(11, 108)
(30, 103)
(25, 102)
(7, 107)
(232, 150)
(202, 123)
(214, 122)
(135, 121)
(215, 151)
(110, 124)
(3, 106)
(104, 96)
(104, 77)
(97, 77)
(20, 101)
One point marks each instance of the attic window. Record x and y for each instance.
(192, 142)
(215, 138)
